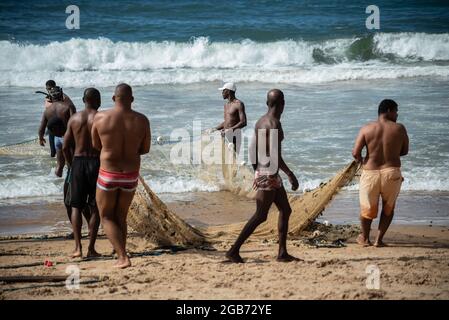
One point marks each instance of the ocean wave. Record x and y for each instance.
(315, 75)
(81, 62)
(46, 186)
(179, 185)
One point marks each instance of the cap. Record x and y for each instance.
(228, 85)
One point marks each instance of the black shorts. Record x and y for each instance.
(83, 182)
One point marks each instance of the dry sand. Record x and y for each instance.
(414, 266)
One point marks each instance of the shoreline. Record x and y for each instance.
(216, 208)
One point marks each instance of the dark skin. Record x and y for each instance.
(63, 110)
(234, 115)
(234, 112)
(385, 141)
(122, 135)
(264, 199)
(78, 142)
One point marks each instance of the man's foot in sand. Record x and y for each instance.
(123, 263)
(76, 254)
(234, 257)
(93, 254)
(362, 241)
(380, 244)
(287, 258)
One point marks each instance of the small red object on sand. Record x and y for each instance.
(48, 263)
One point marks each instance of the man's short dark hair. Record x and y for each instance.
(387, 105)
(50, 84)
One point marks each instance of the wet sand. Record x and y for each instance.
(414, 266)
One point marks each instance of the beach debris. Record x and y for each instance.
(31, 278)
(48, 263)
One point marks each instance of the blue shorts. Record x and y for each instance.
(58, 143)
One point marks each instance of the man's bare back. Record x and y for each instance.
(268, 122)
(268, 183)
(59, 109)
(80, 124)
(124, 135)
(386, 141)
(84, 165)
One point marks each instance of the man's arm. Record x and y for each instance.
(359, 145)
(242, 117)
(42, 130)
(70, 104)
(282, 165)
(96, 142)
(405, 144)
(67, 145)
(291, 176)
(220, 126)
(253, 150)
(146, 142)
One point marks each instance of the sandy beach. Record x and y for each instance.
(414, 266)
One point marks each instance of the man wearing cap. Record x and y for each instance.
(234, 115)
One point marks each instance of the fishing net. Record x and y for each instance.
(149, 216)
(26, 148)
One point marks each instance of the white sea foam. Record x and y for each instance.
(22, 187)
(102, 62)
(180, 185)
(45, 186)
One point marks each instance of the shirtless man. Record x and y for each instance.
(267, 181)
(122, 135)
(234, 115)
(385, 141)
(50, 84)
(55, 117)
(84, 163)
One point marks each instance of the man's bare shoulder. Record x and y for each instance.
(267, 122)
(238, 103)
(77, 117)
(400, 126)
(140, 116)
(103, 114)
(369, 126)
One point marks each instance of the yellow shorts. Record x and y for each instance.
(385, 183)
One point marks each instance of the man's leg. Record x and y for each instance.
(67, 208)
(121, 211)
(107, 202)
(264, 199)
(77, 223)
(94, 223)
(51, 141)
(369, 193)
(384, 224)
(88, 215)
(60, 160)
(363, 238)
(282, 204)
